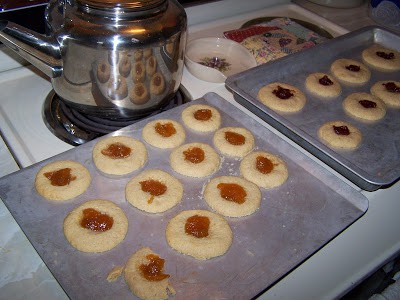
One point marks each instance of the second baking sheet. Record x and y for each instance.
(376, 162)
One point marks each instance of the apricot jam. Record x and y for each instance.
(264, 165)
(234, 138)
(165, 130)
(60, 177)
(117, 151)
(203, 114)
(96, 220)
(232, 192)
(154, 187)
(197, 226)
(153, 271)
(195, 155)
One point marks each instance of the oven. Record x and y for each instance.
(27, 138)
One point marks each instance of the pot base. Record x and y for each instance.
(76, 128)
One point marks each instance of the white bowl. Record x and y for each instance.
(234, 54)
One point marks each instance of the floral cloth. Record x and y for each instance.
(274, 39)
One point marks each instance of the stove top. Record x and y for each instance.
(76, 128)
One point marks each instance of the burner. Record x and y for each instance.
(76, 128)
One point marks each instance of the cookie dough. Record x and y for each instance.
(195, 160)
(117, 88)
(62, 180)
(282, 97)
(96, 226)
(124, 66)
(139, 94)
(382, 58)
(201, 118)
(138, 72)
(264, 169)
(157, 84)
(151, 66)
(164, 133)
(340, 135)
(153, 286)
(103, 71)
(323, 85)
(189, 234)
(232, 196)
(119, 155)
(350, 71)
(154, 191)
(388, 92)
(364, 106)
(234, 141)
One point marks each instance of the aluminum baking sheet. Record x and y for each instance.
(376, 162)
(293, 222)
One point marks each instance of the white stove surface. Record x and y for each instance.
(330, 272)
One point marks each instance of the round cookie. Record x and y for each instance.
(195, 160)
(364, 106)
(201, 117)
(350, 71)
(147, 288)
(232, 196)
(382, 58)
(62, 180)
(340, 135)
(264, 169)
(388, 92)
(282, 97)
(199, 245)
(151, 66)
(323, 85)
(154, 191)
(139, 94)
(119, 155)
(96, 226)
(234, 141)
(103, 71)
(164, 133)
(124, 66)
(117, 88)
(138, 72)
(157, 84)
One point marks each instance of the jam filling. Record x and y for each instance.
(282, 93)
(194, 155)
(157, 80)
(367, 103)
(203, 114)
(234, 138)
(165, 130)
(353, 68)
(153, 271)
(232, 192)
(392, 87)
(341, 130)
(117, 151)
(154, 187)
(264, 165)
(139, 90)
(385, 55)
(138, 69)
(325, 80)
(197, 226)
(60, 177)
(96, 221)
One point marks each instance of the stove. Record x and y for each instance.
(26, 139)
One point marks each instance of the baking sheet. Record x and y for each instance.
(293, 222)
(376, 162)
